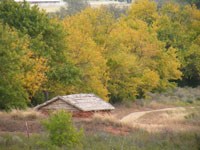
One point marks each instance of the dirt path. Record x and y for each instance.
(136, 115)
(161, 119)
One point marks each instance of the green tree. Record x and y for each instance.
(12, 93)
(46, 40)
(178, 27)
(180, 2)
(194, 2)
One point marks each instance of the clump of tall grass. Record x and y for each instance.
(28, 114)
(107, 119)
(193, 116)
(17, 114)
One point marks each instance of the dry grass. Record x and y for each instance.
(107, 119)
(16, 114)
(110, 124)
(178, 96)
(193, 117)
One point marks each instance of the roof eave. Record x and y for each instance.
(47, 103)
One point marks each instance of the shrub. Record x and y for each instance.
(61, 130)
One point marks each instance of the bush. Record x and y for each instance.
(61, 130)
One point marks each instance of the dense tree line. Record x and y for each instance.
(180, 2)
(146, 49)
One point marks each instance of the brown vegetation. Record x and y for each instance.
(122, 121)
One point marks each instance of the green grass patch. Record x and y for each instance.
(142, 140)
(137, 140)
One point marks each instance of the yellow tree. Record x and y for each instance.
(144, 10)
(134, 37)
(85, 53)
(124, 53)
(34, 72)
(130, 49)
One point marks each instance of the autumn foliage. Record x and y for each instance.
(148, 49)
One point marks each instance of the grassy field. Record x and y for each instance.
(102, 132)
(136, 140)
(154, 124)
